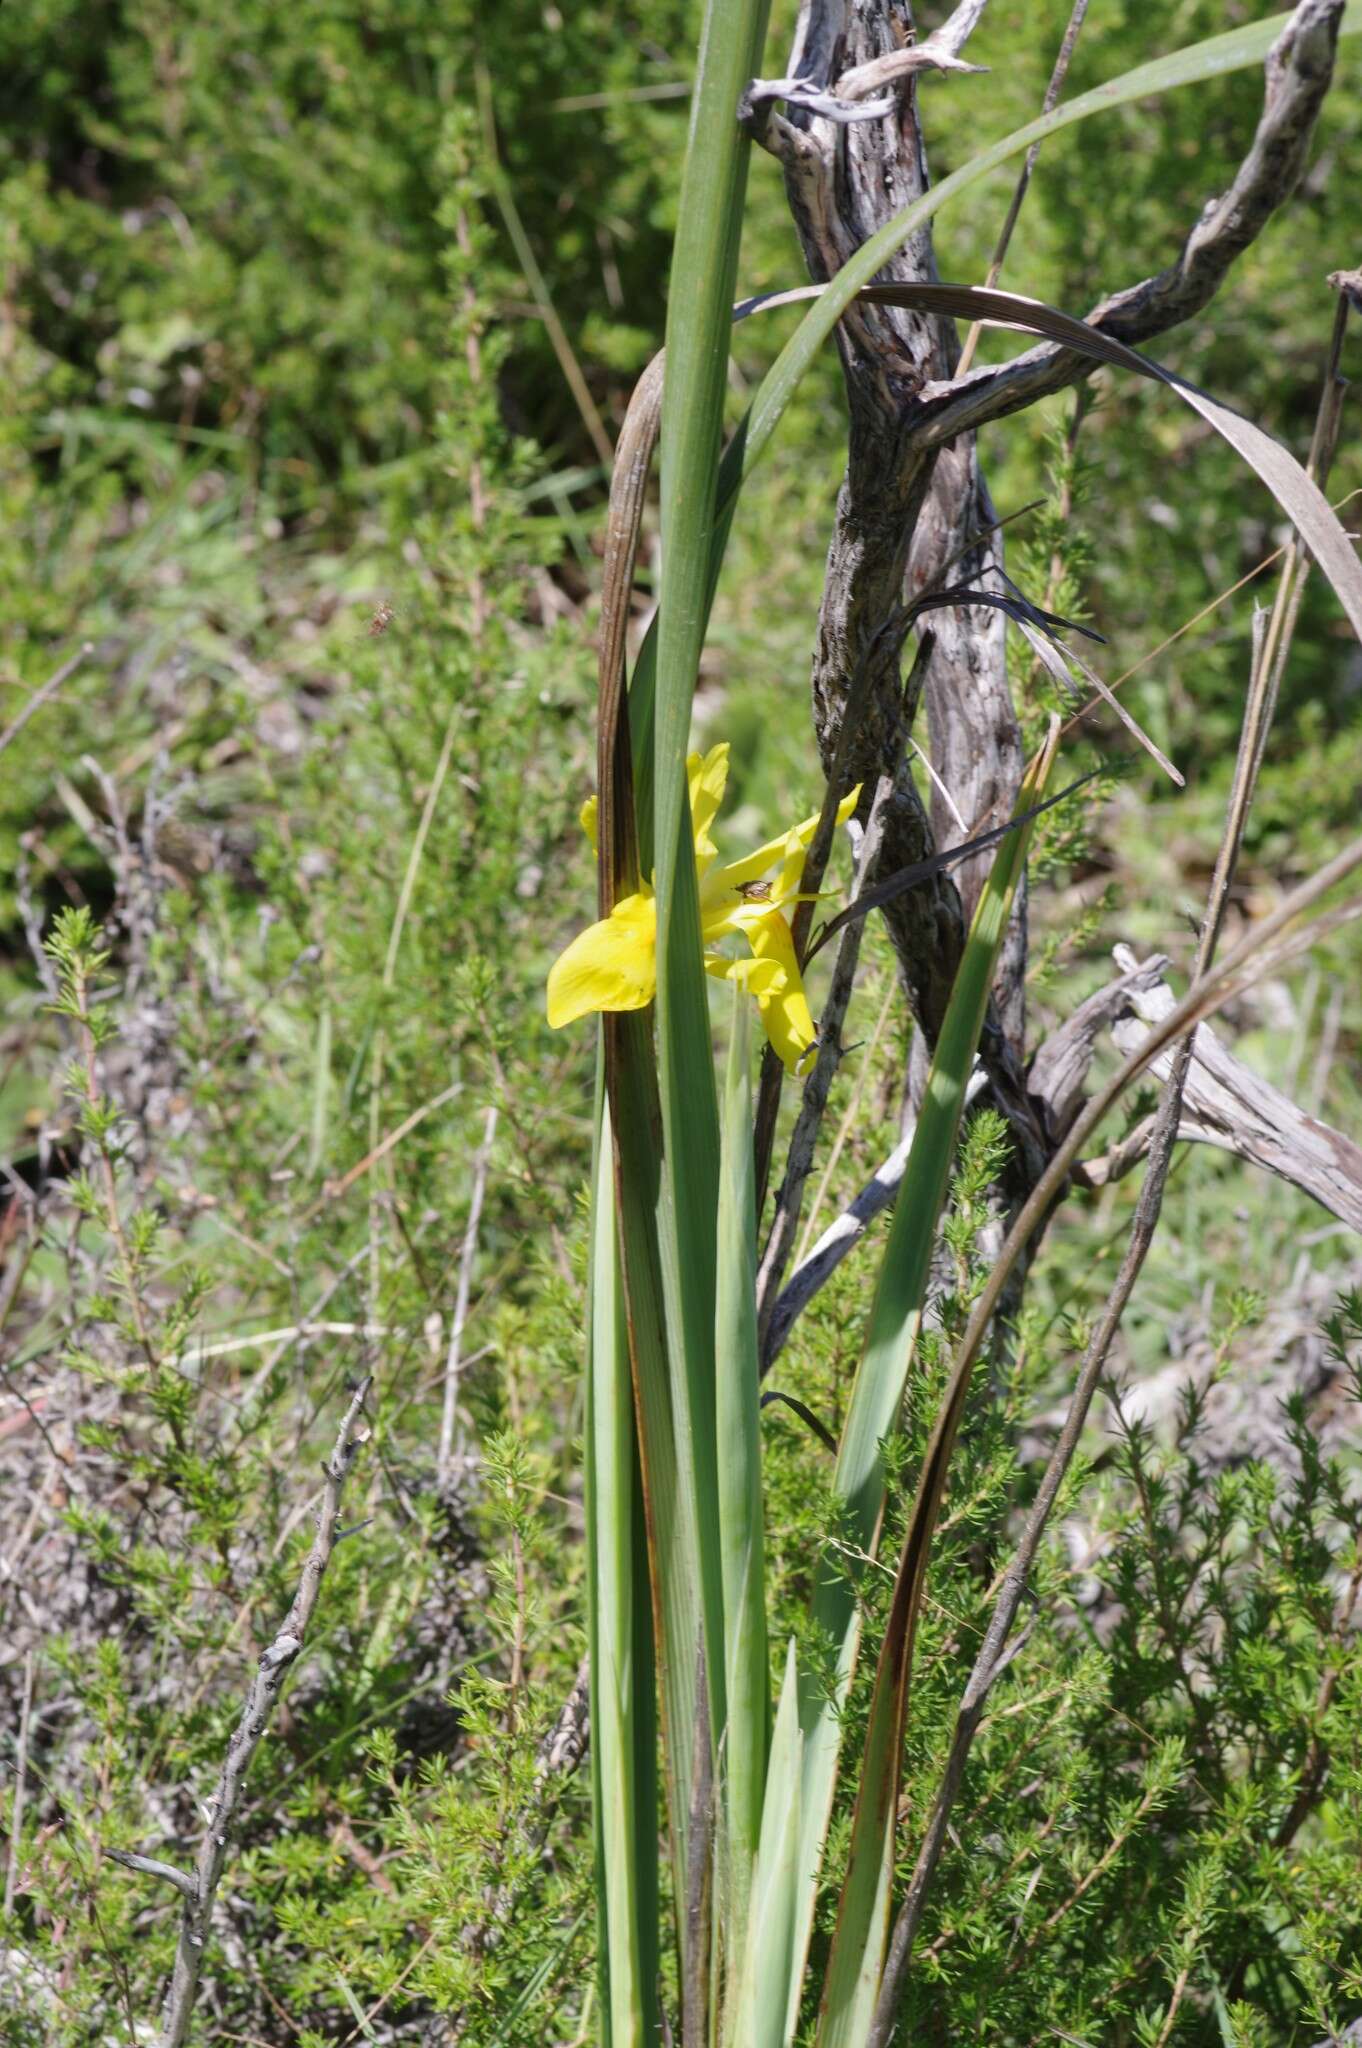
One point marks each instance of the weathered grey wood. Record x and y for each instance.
(1226, 1104)
(902, 512)
(912, 496)
(1059, 1070)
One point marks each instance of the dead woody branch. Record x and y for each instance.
(1298, 75)
(1225, 1104)
(913, 500)
(199, 1887)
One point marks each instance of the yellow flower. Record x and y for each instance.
(613, 965)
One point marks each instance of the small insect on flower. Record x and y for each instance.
(755, 892)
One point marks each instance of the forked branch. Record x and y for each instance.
(1298, 75)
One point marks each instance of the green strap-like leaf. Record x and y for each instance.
(743, 1758)
(876, 1399)
(673, 1541)
(623, 1717)
(769, 1962)
(704, 264)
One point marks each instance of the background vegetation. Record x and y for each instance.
(314, 323)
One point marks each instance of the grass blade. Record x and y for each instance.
(895, 1319)
(852, 1982)
(757, 2017)
(623, 1727)
(740, 1502)
(704, 265)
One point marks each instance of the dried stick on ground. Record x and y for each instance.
(1228, 1105)
(199, 1889)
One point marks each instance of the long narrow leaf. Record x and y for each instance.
(757, 2019)
(704, 264)
(863, 1919)
(740, 1502)
(623, 1727)
(881, 1380)
(673, 1539)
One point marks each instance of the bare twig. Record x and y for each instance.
(1171, 2016)
(1048, 104)
(844, 1235)
(1298, 74)
(152, 1866)
(956, 30)
(804, 1138)
(45, 693)
(223, 1347)
(334, 1189)
(16, 1812)
(761, 94)
(896, 65)
(467, 1254)
(200, 1890)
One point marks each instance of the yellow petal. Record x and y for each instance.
(766, 856)
(707, 775)
(588, 818)
(791, 870)
(748, 917)
(610, 966)
(785, 1014)
(758, 977)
